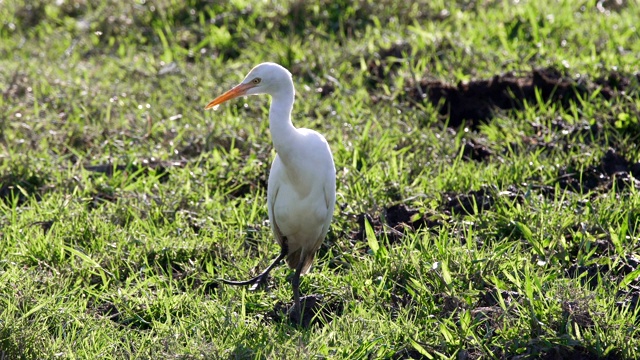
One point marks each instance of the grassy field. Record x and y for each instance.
(487, 161)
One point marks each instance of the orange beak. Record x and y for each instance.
(236, 91)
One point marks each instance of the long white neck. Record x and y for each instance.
(283, 133)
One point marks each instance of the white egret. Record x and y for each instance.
(301, 192)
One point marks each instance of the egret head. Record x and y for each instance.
(266, 78)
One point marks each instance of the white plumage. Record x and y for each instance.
(301, 192)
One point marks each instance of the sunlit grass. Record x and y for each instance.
(122, 202)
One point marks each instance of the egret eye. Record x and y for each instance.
(256, 81)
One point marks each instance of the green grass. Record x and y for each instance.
(124, 262)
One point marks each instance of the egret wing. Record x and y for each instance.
(272, 195)
(330, 200)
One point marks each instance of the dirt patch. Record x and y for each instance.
(580, 235)
(490, 298)
(629, 299)
(613, 172)
(542, 351)
(629, 264)
(489, 315)
(44, 225)
(450, 304)
(186, 267)
(477, 101)
(99, 198)
(395, 222)
(18, 87)
(135, 169)
(19, 186)
(316, 311)
(577, 311)
(477, 201)
(108, 310)
(400, 299)
(409, 353)
(613, 267)
(562, 136)
(594, 275)
(473, 150)
(398, 220)
(30, 15)
(614, 82)
(630, 296)
(606, 6)
(204, 143)
(325, 89)
(473, 202)
(589, 275)
(381, 65)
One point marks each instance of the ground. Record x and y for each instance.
(487, 163)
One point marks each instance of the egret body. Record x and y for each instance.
(301, 191)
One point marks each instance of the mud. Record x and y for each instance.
(472, 150)
(408, 353)
(44, 225)
(566, 352)
(99, 198)
(18, 86)
(186, 267)
(135, 169)
(476, 102)
(477, 201)
(594, 275)
(563, 136)
(395, 221)
(614, 172)
(111, 312)
(382, 65)
(107, 310)
(317, 311)
(20, 185)
(489, 297)
(606, 6)
(589, 275)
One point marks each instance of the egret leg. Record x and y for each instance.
(296, 312)
(256, 281)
